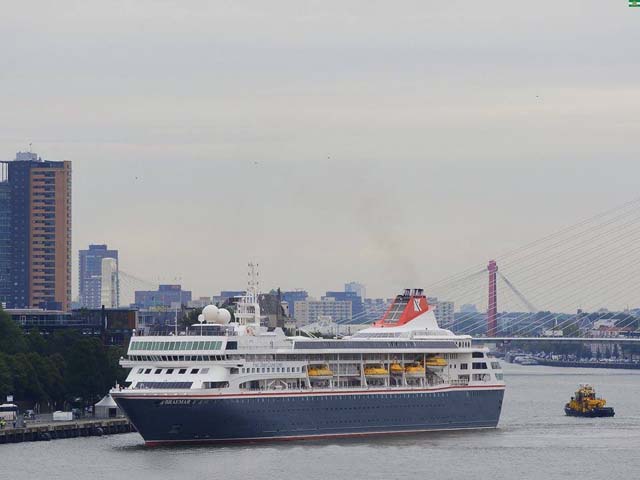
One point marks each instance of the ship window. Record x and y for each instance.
(148, 370)
(158, 371)
(182, 371)
(495, 365)
(215, 384)
(479, 365)
(182, 385)
(477, 355)
(195, 370)
(140, 370)
(169, 371)
(233, 370)
(463, 366)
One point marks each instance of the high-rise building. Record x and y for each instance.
(110, 291)
(39, 212)
(90, 278)
(5, 237)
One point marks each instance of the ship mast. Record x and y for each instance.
(248, 308)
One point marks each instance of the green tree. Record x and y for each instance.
(11, 336)
(6, 378)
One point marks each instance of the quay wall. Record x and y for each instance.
(56, 430)
(566, 363)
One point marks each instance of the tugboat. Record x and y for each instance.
(586, 404)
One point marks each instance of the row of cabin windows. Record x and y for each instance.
(271, 370)
(179, 385)
(143, 345)
(170, 371)
(178, 358)
(481, 366)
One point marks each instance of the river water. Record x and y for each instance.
(535, 440)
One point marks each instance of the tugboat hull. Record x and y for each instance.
(596, 412)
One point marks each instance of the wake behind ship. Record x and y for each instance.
(229, 382)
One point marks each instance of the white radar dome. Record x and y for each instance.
(210, 313)
(224, 315)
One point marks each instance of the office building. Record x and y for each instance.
(115, 326)
(38, 208)
(90, 275)
(291, 298)
(357, 307)
(165, 296)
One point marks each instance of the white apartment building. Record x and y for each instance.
(443, 310)
(308, 311)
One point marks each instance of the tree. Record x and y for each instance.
(11, 337)
(6, 379)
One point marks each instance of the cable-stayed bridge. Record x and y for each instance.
(578, 284)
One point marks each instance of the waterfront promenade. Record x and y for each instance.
(45, 431)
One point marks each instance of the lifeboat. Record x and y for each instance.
(319, 372)
(375, 371)
(586, 404)
(414, 370)
(396, 369)
(436, 362)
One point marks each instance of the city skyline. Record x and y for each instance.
(417, 141)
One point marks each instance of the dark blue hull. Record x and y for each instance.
(595, 413)
(177, 419)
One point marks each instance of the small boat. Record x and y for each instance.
(319, 372)
(414, 370)
(586, 404)
(396, 369)
(525, 360)
(375, 371)
(436, 362)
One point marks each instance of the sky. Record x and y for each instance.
(390, 143)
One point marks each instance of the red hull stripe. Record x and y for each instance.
(157, 443)
(291, 394)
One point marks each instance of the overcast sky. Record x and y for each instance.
(391, 143)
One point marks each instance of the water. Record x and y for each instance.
(535, 440)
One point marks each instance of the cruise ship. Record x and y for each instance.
(235, 381)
